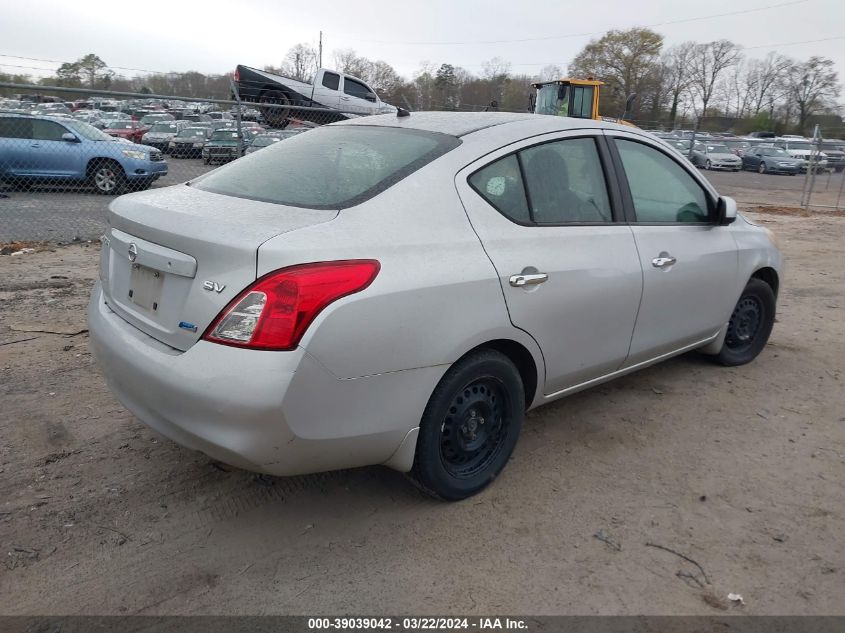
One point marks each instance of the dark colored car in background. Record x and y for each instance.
(265, 140)
(161, 133)
(188, 143)
(835, 151)
(772, 160)
(130, 130)
(225, 145)
(156, 117)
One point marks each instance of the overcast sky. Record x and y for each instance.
(213, 37)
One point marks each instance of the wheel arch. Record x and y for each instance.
(99, 160)
(770, 276)
(522, 359)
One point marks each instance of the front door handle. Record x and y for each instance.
(518, 281)
(664, 260)
(36, 145)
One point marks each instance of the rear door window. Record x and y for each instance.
(332, 167)
(12, 127)
(500, 183)
(331, 81)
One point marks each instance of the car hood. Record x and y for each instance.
(232, 143)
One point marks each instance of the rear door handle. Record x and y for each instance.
(518, 281)
(664, 260)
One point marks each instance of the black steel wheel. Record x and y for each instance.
(275, 106)
(750, 324)
(470, 426)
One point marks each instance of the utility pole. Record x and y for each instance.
(320, 52)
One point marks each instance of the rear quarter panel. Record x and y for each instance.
(436, 296)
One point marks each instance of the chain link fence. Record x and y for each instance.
(65, 153)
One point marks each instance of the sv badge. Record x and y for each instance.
(213, 285)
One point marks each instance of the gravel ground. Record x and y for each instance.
(739, 469)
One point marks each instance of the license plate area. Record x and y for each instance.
(145, 287)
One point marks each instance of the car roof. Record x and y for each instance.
(466, 123)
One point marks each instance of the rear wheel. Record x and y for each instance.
(470, 426)
(275, 107)
(107, 177)
(750, 325)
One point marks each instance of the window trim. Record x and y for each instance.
(323, 80)
(625, 187)
(608, 171)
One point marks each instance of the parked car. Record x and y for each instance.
(803, 149)
(265, 140)
(131, 130)
(196, 118)
(153, 118)
(53, 150)
(217, 115)
(715, 156)
(188, 142)
(405, 300)
(225, 145)
(771, 160)
(762, 135)
(835, 152)
(737, 146)
(160, 134)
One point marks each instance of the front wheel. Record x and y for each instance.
(750, 325)
(762, 168)
(708, 165)
(470, 426)
(107, 177)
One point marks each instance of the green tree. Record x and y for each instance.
(626, 61)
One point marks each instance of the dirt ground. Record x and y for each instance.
(740, 470)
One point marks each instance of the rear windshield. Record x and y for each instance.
(333, 167)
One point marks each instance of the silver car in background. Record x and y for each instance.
(713, 155)
(399, 290)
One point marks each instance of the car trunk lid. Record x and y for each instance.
(174, 258)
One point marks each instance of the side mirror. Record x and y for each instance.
(70, 138)
(725, 210)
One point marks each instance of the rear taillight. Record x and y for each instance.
(275, 311)
(237, 75)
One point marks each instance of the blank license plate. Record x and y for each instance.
(145, 287)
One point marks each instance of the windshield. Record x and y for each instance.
(548, 101)
(329, 168)
(165, 128)
(718, 149)
(224, 135)
(801, 146)
(193, 132)
(737, 143)
(773, 151)
(264, 141)
(122, 125)
(151, 118)
(87, 131)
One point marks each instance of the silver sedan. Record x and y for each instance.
(399, 290)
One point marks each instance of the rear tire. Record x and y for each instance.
(750, 325)
(107, 177)
(275, 108)
(470, 426)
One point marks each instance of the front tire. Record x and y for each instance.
(470, 426)
(750, 325)
(708, 165)
(107, 177)
(762, 168)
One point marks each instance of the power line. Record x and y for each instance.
(586, 34)
(826, 39)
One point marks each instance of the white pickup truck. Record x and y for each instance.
(278, 96)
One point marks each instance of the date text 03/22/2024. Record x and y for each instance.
(416, 624)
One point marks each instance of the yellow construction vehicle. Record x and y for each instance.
(577, 98)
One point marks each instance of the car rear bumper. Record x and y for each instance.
(281, 413)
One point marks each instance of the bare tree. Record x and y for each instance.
(813, 84)
(300, 62)
(550, 72)
(676, 61)
(707, 63)
(764, 80)
(495, 69)
(347, 61)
